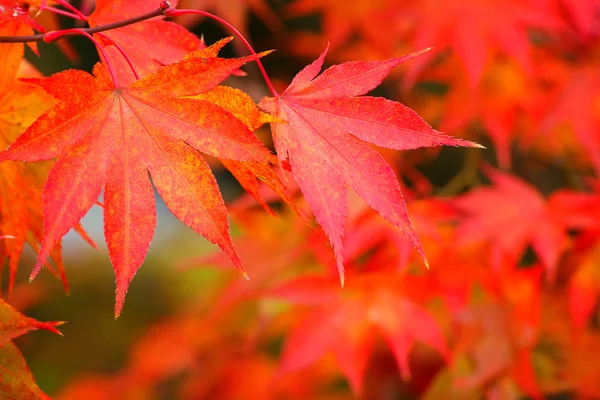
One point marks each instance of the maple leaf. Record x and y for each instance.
(20, 184)
(493, 27)
(346, 322)
(112, 137)
(341, 25)
(241, 105)
(327, 125)
(16, 380)
(583, 83)
(148, 44)
(14, 21)
(512, 214)
(14, 324)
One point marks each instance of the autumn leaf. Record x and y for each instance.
(583, 83)
(340, 24)
(347, 322)
(320, 113)
(108, 137)
(21, 184)
(148, 44)
(493, 27)
(16, 381)
(248, 173)
(14, 324)
(512, 214)
(14, 21)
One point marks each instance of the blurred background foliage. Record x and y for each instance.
(508, 333)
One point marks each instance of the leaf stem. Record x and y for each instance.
(65, 13)
(71, 32)
(72, 9)
(54, 35)
(171, 12)
(125, 56)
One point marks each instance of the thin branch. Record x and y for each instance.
(130, 21)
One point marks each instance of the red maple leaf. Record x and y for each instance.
(512, 214)
(491, 26)
(347, 322)
(327, 125)
(16, 381)
(109, 137)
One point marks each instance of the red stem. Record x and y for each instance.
(125, 56)
(72, 9)
(65, 13)
(174, 13)
(54, 35)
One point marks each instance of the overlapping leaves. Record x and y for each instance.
(108, 138)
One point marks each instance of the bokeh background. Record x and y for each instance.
(509, 307)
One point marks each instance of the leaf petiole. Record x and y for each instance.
(54, 35)
(65, 13)
(171, 12)
(123, 53)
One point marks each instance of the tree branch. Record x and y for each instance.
(42, 36)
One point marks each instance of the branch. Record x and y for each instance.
(43, 36)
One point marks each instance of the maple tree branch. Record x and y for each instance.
(114, 25)
(171, 12)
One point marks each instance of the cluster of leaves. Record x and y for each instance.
(509, 306)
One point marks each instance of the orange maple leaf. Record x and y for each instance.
(111, 137)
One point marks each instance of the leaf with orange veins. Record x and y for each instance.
(111, 138)
(512, 214)
(241, 105)
(346, 322)
(149, 44)
(21, 185)
(326, 126)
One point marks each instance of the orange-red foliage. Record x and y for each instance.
(508, 306)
